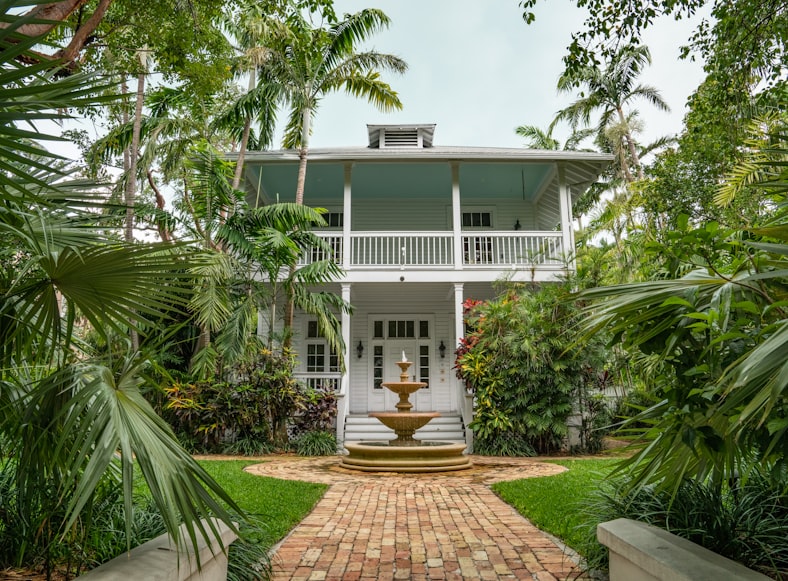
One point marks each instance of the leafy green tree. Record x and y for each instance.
(70, 419)
(741, 42)
(714, 330)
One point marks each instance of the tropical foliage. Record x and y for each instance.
(73, 419)
(314, 61)
(743, 520)
(517, 360)
(249, 411)
(715, 340)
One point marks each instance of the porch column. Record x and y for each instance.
(342, 396)
(456, 215)
(567, 231)
(459, 328)
(347, 248)
(466, 400)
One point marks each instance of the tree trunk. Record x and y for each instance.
(164, 233)
(303, 154)
(239, 166)
(81, 35)
(630, 144)
(302, 158)
(52, 15)
(131, 182)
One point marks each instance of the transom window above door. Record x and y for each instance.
(401, 329)
(477, 219)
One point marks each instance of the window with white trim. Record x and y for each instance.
(320, 358)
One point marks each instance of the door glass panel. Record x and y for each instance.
(424, 364)
(377, 367)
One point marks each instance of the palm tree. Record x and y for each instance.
(67, 416)
(609, 92)
(313, 62)
(538, 138)
(266, 241)
(255, 29)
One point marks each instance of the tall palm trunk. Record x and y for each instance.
(630, 143)
(131, 181)
(303, 154)
(239, 166)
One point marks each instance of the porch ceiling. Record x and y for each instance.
(409, 296)
(400, 180)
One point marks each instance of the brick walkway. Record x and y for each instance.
(438, 526)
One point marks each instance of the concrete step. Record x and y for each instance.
(443, 428)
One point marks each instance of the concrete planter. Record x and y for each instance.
(641, 552)
(159, 560)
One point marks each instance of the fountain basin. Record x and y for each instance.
(408, 387)
(426, 456)
(404, 424)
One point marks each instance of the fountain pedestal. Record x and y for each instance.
(405, 453)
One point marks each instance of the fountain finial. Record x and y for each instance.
(404, 359)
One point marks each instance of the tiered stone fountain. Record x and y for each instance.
(405, 453)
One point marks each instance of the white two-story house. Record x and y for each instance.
(418, 229)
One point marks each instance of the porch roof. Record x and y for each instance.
(386, 173)
(434, 153)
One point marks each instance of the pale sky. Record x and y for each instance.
(478, 71)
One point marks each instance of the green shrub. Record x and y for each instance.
(746, 522)
(249, 557)
(248, 413)
(527, 376)
(503, 444)
(30, 521)
(317, 443)
(248, 446)
(319, 409)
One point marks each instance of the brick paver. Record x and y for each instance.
(421, 527)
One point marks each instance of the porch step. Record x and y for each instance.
(446, 428)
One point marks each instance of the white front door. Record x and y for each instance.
(385, 369)
(414, 335)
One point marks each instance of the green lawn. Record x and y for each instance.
(280, 504)
(552, 502)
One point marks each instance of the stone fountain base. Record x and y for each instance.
(405, 453)
(427, 456)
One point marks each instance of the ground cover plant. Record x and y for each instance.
(745, 520)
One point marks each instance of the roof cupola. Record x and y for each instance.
(401, 136)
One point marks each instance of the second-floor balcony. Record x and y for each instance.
(438, 250)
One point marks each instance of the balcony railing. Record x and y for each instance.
(329, 382)
(436, 249)
(386, 249)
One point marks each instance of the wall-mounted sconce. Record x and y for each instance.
(360, 349)
(517, 225)
(442, 350)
